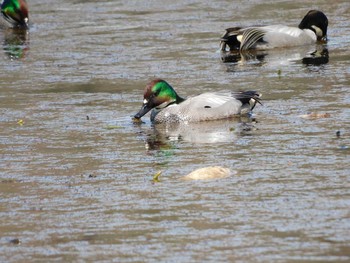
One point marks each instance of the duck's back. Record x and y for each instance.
(266, 37)
(204, 107)
(284, 36)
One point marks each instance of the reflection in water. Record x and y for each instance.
(16, 43)
(244, 56)
(162, 136)
(279, 56)
(318, 57)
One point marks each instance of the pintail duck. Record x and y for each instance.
(168, 106)
(14, 14)
(311, 29)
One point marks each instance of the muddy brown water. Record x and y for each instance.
(76, 172)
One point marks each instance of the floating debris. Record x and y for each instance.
(279, 73)
(15, 241)
(337, 134)
(111, 127)
(156, 177)
(20, 122)
(136, 120)
(210, 172)
(315, 115)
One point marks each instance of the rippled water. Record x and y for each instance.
(76, 172)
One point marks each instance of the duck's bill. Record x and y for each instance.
(144, 109)
(323, 40)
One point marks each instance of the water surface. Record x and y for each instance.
(76, 172)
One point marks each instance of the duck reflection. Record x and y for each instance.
(165, 136)
(243, 56)
(319, 57)
(275, 57)
(16, 43)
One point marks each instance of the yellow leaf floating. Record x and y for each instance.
(20, 122)
(156, 177)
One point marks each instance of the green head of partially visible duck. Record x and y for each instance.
(15, 12)
(158, 95)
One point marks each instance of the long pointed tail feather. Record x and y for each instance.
(250, 97)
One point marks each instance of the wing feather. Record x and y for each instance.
(251, 36)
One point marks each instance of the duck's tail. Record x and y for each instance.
(229, 38)
(242, 39)
(248, 98)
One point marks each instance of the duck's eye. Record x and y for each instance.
(156, 92)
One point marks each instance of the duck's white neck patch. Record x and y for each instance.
(318, 30)
(163, 105)
(145, 101)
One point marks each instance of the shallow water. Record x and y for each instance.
(76, 172)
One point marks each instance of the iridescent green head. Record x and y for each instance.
(16, 13)
(158, 94)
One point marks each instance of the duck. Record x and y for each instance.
(168, 107)
(14, 14)
(312, 28)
